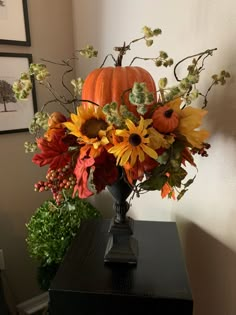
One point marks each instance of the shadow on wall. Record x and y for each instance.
(212, 272)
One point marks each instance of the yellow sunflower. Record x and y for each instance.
(90, 127)
(134, 144)
(189, 120)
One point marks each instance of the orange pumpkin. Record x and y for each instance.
(165, 119)
(106, 85)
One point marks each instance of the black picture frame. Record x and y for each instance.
(16, 20)
(15, 116)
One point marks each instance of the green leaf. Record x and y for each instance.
(176, 177)
(180, 195)
(177, 149)
(154, 183)
(189, 182)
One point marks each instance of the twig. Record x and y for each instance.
(205, 96)
(140, 58)
(109, 55)
(207, 52)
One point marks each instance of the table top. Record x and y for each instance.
(160, 271)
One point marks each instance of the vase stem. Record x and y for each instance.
(120, 211)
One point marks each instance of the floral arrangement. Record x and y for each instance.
(120, 125)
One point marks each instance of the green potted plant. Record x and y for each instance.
(51, 230)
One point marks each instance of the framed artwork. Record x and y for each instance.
(15, 116)
(14, 23)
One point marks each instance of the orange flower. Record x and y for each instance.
(55, 124)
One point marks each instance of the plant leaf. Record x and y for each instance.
(154, 183)
(189, 182)
(176, 177)
(180, 195)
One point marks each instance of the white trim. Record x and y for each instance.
(33, 305)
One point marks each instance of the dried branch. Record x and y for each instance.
(208, 52)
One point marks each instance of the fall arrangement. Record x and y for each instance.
(121, 125)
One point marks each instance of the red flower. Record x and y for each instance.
(81, 172)
(105, 172)
(54, 152)
(92, 175)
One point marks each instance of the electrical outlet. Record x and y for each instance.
(2, 263)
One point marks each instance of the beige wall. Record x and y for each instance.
(51, 38)
(206, 215)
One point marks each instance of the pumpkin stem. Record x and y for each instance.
(168, 113)
(122, 51)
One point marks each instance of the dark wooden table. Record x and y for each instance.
(157, 285)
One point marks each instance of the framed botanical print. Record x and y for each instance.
(15, 115)
(14, 23)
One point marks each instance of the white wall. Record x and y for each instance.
(206, 216)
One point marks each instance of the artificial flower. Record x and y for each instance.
(81, 172)
(90, 127)
(134, 143)
(190, 119)
(103, 176)
(140, 169)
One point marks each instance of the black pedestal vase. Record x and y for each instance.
(122, 247)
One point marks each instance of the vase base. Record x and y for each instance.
(128, 255)
(121, 246)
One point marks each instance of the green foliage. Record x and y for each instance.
(52, 228)
(157, 180)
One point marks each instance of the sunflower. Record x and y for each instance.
(134, 144)
(90, 127)
(189, 120)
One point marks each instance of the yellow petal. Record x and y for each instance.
(130, 125)
(122, 133)
(69, 125)
(117, 148)
(147, 122)
(133, 157)
(149, 151)
(141, 154)
(125, 156)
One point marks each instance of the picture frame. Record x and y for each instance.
(14, 23)
(15, 115)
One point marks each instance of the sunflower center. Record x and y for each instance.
(135, 139)
(168, 113)
(92, 126)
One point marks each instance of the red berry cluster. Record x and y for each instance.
(57, 181)
(202, 151)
